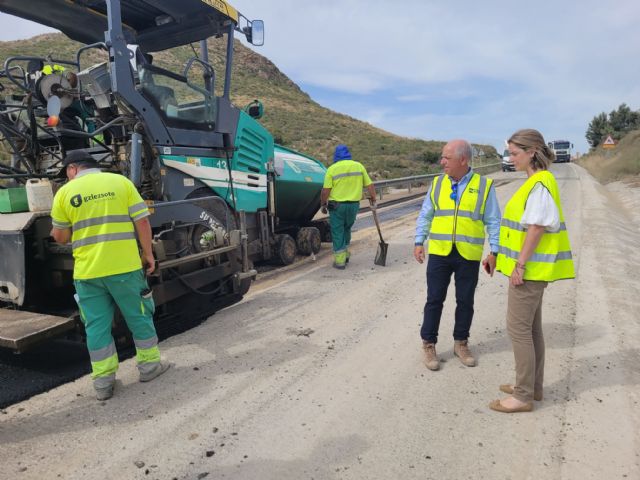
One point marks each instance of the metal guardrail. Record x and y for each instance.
(380, 185)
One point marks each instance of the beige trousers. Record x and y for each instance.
(524, 324)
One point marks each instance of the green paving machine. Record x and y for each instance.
(223, 197)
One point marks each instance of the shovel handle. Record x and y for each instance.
(375, 219)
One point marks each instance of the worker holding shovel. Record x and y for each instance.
(341, 194)
(456, 210)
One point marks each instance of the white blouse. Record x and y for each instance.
(541, 210)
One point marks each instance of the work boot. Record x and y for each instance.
(104, 387)
(430, 358)
(104, 393)
(149, 371)
(461, 350)
(347, 257)
(340, 260)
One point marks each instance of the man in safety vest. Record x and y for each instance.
(341, 195)
(456, 210)
(100, 213)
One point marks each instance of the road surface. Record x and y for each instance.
(317, 374)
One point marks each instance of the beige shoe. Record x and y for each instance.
(461, 350)
(430, 357)
(506, 388)
(498, 407)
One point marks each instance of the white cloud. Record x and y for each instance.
(359, 83)
(419, 97)
(566, 60)
(15, 29)
(557, 64)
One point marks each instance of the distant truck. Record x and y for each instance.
(562, 149)
(507, 163)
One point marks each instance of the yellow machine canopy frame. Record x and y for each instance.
(152, 24)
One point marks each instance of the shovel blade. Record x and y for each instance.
(381, 254)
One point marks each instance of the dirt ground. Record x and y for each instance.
(317, 374)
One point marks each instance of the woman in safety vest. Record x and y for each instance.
(534, 250)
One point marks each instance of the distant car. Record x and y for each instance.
(507, 164)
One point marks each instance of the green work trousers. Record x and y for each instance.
(97, 299)
(341, 220)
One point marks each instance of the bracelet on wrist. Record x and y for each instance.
(520, 266)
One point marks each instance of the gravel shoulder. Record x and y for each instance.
(318, 374)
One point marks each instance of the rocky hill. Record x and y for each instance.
(294, 119)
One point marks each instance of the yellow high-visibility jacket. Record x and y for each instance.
(461, 224)
(100, 208)
(552, 259)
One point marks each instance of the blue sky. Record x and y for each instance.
(457, 69)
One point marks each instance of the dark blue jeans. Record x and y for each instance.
(439, 270)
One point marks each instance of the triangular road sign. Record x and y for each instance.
(609, 141)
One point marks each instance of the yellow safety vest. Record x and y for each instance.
(346, 179)
(100, 208)
(552, 259)
(459, 224)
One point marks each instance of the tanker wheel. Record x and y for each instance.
(285, 249)
(308, 240)
(325, 232)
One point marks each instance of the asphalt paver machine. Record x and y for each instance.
(222, 195)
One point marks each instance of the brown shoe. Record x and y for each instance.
(498, 407)
(461, 350)
(506, 388)
(430, 357)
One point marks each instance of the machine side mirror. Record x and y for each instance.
(255, 33)
(255, 109)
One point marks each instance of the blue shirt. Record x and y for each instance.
(491, 217)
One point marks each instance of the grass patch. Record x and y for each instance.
(618, 163)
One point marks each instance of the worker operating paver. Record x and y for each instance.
(101, 213)
(341, 194)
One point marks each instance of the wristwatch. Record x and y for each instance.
(494, 254)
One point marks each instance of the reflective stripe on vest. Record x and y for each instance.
(90, 222)
(518, 226)
(462, 223)
(552, 258)
(137, 210)
(105, 237)
(348, 174)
